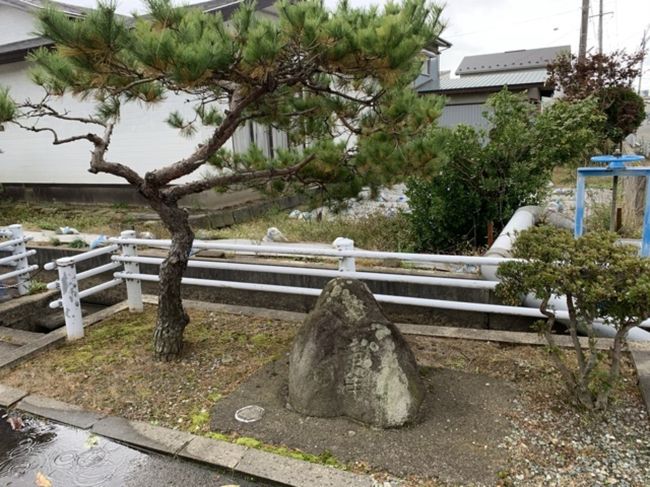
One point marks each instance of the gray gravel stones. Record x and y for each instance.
(563, 447)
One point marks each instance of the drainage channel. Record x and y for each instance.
(38, 452)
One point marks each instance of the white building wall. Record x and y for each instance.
(15, 25)
(141, 140)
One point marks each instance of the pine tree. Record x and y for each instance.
(337, 82)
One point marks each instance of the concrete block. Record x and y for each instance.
(143, 435)
(289, 471)
(58, 411)
(10, 395)
(214, 452)
(642, 364)
(241, 215)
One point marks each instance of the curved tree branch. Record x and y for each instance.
(177, 192)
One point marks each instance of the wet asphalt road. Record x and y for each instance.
(69, 457)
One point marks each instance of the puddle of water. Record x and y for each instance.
(69, 457)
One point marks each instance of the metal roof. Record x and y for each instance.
(16, 51)
(524, 59)
(491, 80)
(31, 5)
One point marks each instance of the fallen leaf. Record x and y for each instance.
(15, 422)
(91, 441)
(42, 480)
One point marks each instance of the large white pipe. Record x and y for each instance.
(524, 218)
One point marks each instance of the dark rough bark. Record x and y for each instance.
(172, 318)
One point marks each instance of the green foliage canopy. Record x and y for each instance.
(485, 176)
(608, 78)
(338, 82)
(601, 279)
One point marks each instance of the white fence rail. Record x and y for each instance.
(125, 259)
(14, 242)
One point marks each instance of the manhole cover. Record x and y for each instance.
(249, 414)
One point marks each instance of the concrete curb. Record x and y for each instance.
(58, 411)
(641, 361)
(10, 395)
(218, 453)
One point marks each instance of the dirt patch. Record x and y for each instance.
(460, 427)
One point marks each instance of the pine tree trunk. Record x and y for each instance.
(172, 318)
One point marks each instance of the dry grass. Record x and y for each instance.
(112, 371)
(377, 232)
(107, 219)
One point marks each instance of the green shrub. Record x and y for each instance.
(484, 177)
(600, 278)
(36, 287)
(78, 243)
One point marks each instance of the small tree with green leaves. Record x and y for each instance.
(484, 176)
(337, 81)
(608, 78)
(601, 280)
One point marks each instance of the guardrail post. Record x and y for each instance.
(346, 264)
(23, 281)
(70, 298)
(133, 286)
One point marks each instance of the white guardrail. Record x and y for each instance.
(13, 241)
(128, 262)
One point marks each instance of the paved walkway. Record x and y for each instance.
(68, 457)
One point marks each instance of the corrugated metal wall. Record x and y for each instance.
(472, 115)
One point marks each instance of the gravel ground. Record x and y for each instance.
(560, 447)
(388, 202)
(549, 442)
(563, 200)
(392, 200)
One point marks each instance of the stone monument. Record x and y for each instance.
(349, 360)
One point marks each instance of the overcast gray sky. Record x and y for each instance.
(485, 26)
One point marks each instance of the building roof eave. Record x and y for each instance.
(489, 89)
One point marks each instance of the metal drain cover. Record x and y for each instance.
(249, 414)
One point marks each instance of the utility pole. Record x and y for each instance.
(644, 41)
(584, 24)
(600, 28)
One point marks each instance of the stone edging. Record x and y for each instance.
(248, 461)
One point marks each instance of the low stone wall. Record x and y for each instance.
(23, 313)
(291, 302)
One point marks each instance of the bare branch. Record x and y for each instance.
(43, 109)
(57, 140)
(362, 101)
(99, 164)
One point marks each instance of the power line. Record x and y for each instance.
(463, 34)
